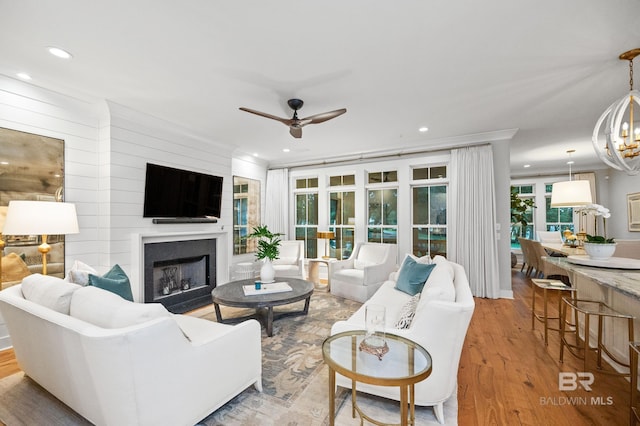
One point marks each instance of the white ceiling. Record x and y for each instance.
(548, 68)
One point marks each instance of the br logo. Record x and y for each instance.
(568, 381)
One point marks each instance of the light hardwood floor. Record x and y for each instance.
(507, 375)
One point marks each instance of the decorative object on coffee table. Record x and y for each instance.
(268, 251)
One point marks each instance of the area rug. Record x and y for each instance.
(295, 382)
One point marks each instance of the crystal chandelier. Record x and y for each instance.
(617, 143)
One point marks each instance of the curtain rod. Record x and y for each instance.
(374, 156)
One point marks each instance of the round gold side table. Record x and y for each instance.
(405, 364)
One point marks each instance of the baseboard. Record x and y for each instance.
(506, 294)
(5, 343)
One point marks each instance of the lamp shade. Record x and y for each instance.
(571, 193)
(327, 235)
(3, 216)
(40, 218)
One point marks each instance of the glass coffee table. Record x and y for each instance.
(232, 294)
(405, 364)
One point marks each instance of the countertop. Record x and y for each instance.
(626, 281)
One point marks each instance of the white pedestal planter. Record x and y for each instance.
(600, 251)
(267, 273)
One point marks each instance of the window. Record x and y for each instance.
(246, 213)
(429, 211)
(557, 218)
(382, 224)
(342, 180)
(437, 172)
(306, 215)
(307, 183)
(380, 177)
(521, 192)
(429, 220)
(342, 221)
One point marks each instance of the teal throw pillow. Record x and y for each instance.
(115, 281)
(412, 276)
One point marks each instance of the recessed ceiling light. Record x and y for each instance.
(526, 166)
(286, 150)
(423, 129)
(24, 76)
(255, 154)
(60, 53)
(4, 163)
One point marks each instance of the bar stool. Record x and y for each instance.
(634, 415)
(589, 308)
(546, 286)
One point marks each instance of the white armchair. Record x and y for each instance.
(550, 237)
(290, 262)
(359, 276)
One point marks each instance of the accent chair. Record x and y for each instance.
(359, 276)
(291, 260)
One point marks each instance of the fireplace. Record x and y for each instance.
(180, 274)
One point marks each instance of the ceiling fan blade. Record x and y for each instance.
(319, 118)
(296, 132)
(286, 121)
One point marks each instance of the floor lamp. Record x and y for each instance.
(41, 218)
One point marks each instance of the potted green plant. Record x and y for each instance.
(598, 247)
(519, 207)
(268, 250)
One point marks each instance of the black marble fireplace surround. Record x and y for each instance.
(180, 274)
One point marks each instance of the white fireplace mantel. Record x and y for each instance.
(137, 253)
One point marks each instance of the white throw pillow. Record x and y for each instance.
(407, 312)
(108, 310)
(439, 285)
(51, 292)
(79, 273)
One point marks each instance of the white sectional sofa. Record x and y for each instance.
(440, 324)
(117, 362)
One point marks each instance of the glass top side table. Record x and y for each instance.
(406, 364)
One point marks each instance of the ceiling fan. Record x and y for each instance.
(296, 124)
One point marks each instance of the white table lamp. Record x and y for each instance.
(41, 218)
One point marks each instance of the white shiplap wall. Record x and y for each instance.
(107, 147)
(135, 139)
(31, 109)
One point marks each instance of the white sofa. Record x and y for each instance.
(440, 324)
(359, 276)
(117, 362)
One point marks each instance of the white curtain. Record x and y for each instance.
(276, 206)
(473, 214)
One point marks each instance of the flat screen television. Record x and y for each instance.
(175, 193)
